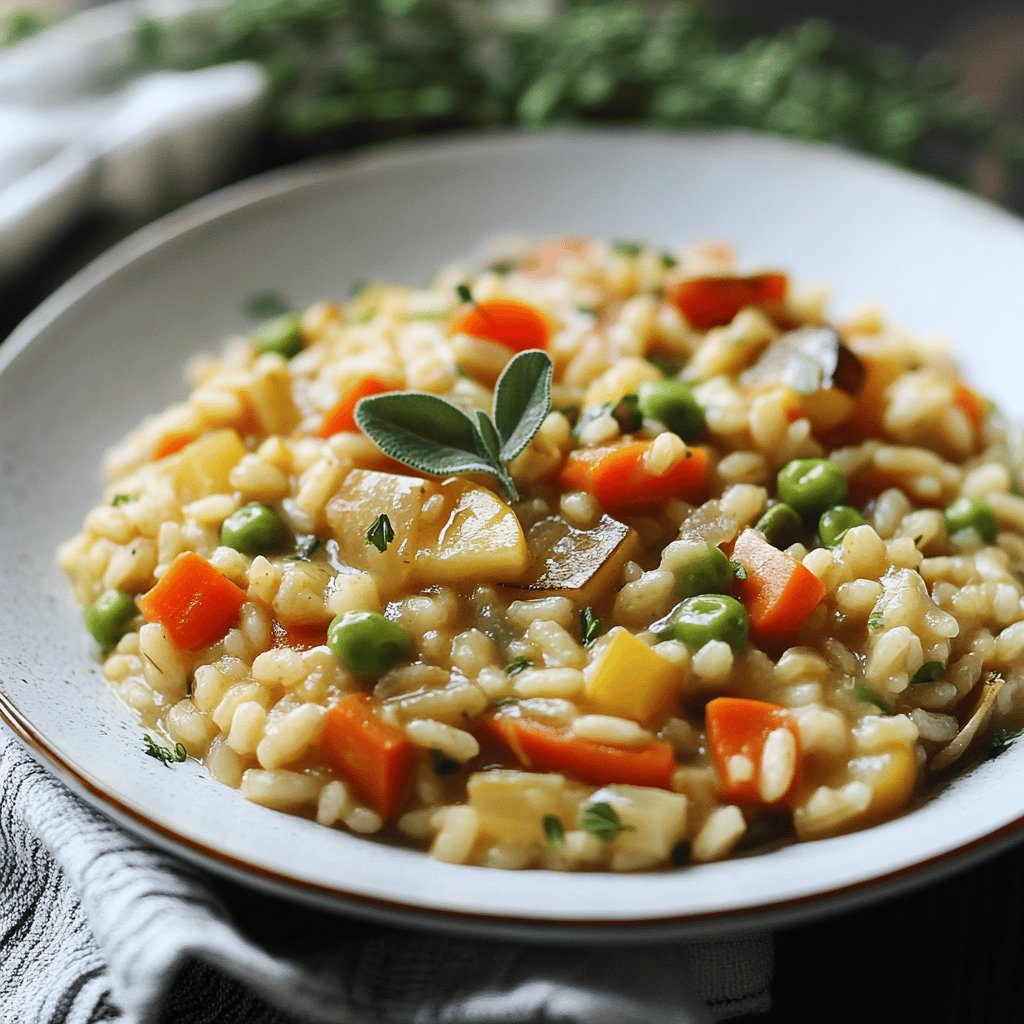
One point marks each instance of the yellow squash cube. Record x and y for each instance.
(633, 681)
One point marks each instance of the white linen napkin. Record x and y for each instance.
(96, 925)
(81, 130)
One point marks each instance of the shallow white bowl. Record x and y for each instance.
(110, 345)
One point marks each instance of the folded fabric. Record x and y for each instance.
(83, 131)
(97, 925)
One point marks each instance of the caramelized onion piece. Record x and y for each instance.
(958, 746)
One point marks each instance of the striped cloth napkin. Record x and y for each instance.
(96, 925)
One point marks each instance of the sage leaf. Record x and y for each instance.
(489, 443)
(522, 401)
(423, 431)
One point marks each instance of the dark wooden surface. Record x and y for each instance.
(948, 953)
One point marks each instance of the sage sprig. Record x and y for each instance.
(435, 437)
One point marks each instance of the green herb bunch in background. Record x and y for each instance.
(344, 72)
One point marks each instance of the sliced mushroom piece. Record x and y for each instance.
(959, 745)
(581, 564)
(818, 366)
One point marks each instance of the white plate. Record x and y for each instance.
(110, 345)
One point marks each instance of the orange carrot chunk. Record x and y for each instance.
(376, 758)
(737, 728)
(617, 475)
(196, 603)
(171, 444)
(342, 417)
(970, 403)
(544, 748)
(297, 637)
(778, 592)
(708, 302)
(510, 323)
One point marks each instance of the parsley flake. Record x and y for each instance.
(929, 672)
(464, 293)
(554, 832)
(163, 754)
(122, 499)
(1002, 739)
(668, 261)
(380, 533)
(504, 702)
(864, 693)
(739, 570)
(443, 764)
(517, 665)
(590, 626)
(602, 821)
(876, 620)
(627, 248)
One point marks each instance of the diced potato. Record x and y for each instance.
(202, 467)
(466, 533)
(579, 564)
(511, 804)
(270, 396)
(634, 681)
(657, 818)
(301, 596)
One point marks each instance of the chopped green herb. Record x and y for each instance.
(464, 293)
(504, 702)
(929, 672)
(380, 532)
(627, 248)
(122, 499)
(1002, 739)
(590, 626)
(517, 665)
(443, 764)
(668, 261)
(863, 692)
(876, 620)
(436, 437)
(305, 548)
(739, 570)
(264, 305)
(602, 820)
(554, 832)
(164, 754)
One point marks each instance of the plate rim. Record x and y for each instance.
(281, 181)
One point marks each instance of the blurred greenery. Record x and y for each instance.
(344, 72)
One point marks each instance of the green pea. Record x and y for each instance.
(834, 523)
(698, 620)
(255, 529)
(282, 335)
(368, 643)
(673, 403)
(705, 570)
(811, 485)
(107, 618)
(781, 525)
(972, 514)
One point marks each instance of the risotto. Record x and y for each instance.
(599, 557)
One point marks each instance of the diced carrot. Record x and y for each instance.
(171, 444)
(778, 592)
(617, 475)
(196, 603)
(298, 637)
(544, 748)
(708, 302)
(510, 323)
(737, 728)
(376, 758)
(342, 417)
(970, 403)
